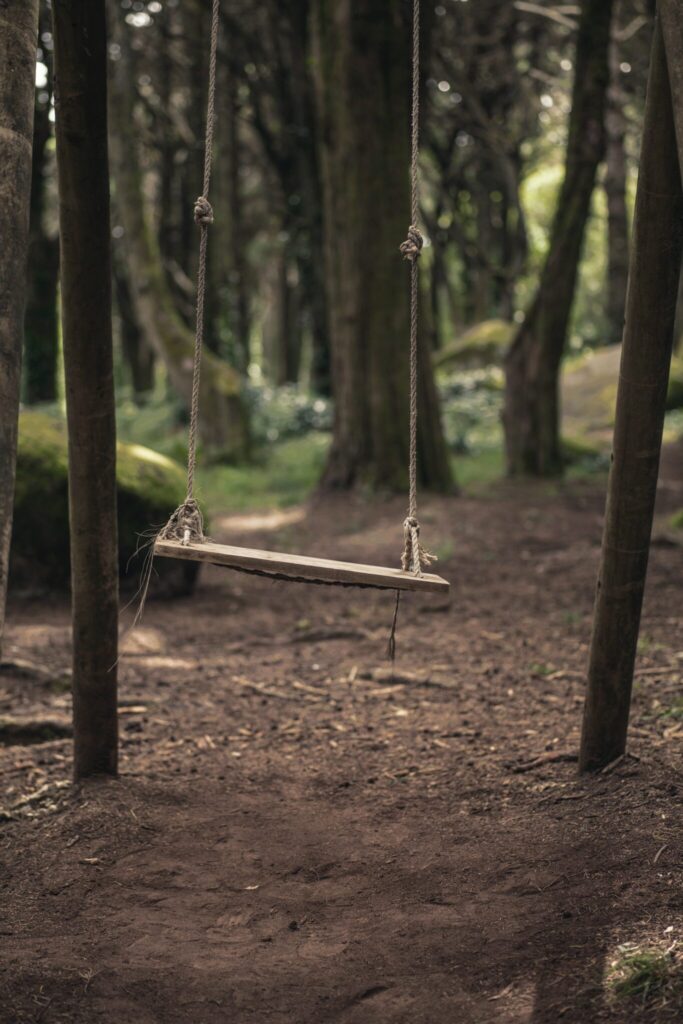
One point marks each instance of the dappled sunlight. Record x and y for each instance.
(260, 522)
(143, 640)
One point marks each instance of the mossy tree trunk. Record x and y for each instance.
(223, 420)
(85, 240)
(532, 414)
(363, 87)
(18, 38)
(41, 335)
(641, 404)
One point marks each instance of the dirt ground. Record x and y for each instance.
(298, 837)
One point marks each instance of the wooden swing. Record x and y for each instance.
(183, 536)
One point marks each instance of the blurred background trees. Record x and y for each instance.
(307, 307)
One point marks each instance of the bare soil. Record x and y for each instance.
(297, 836)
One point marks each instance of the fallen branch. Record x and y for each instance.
(551, 757)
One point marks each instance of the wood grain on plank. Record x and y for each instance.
(302, 567)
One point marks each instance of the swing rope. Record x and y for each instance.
(186, 523)
(414, 555)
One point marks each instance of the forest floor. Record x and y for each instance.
(298, 837)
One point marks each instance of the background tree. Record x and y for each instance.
(41, 341)
(18, 38)
(615, 183)
(362, 78)
(83, 167)
(531, 416)
(223, 419)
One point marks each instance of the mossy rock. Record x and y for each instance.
(676, 520)
(150, 486)
(674, 397)
(483, 344)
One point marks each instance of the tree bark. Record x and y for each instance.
(223, 419)
(615, 191)
(641, 402)
(18, 37)
(41, 335)
(137, 354)
(85, 237)
(363, 90)
(531, 413)
(227, 297)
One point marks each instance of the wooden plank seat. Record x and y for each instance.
(302, 568)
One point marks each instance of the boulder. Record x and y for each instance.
(484, 344)
(150, 486)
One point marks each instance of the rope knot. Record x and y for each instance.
(185, 525)
(203, 211)
(414, 555)
(412, 247)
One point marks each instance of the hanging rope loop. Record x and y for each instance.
(414, 555)
(203, 211)
(185, 525)
(411, 249)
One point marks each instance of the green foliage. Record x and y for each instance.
(278, 414)
(470, 408)
(539, 195)
(674, 397)
(150, 486)
(646, 975)
(284, 475)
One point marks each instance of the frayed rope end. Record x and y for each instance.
(414, 556)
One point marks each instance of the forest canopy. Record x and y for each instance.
(295, 184)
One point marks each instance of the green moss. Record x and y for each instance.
(674, 397)
(150, 486)
(483, 344)
(286, 476)
(677, 520)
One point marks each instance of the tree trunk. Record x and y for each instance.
(18, 37)
(227, 297)
(41, 335)
(83, 168)
(531, 414)
(223, 419)
(363, 89)
(641, 402)
(137, 354)
(615, 191)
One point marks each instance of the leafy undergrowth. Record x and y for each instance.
(281, 476)
(649, 975)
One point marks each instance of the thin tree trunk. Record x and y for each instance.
(363, 87)
(83, 167)
(615, 191)
(227, 298)
(641, 402)
(18, 37)
(137, 354)
(41, 335)
(531, 414)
